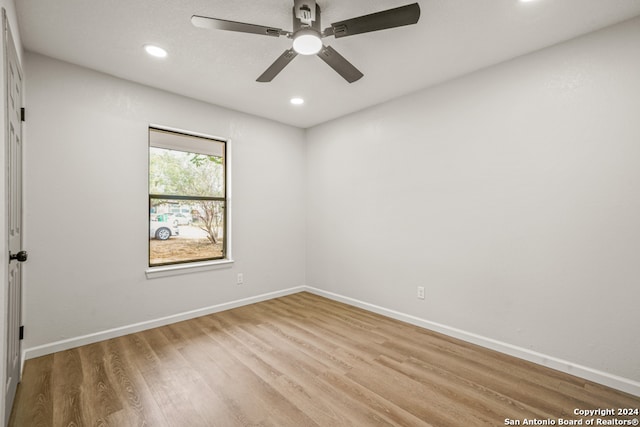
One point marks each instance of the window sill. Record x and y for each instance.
(194, 267)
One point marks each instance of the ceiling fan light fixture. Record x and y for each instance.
(307, 42)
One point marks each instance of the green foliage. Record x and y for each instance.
(181, 173)
(201, 159)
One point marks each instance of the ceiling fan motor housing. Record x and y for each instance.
(307, 33)
(306, 14)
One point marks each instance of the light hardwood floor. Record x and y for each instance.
(301, 360)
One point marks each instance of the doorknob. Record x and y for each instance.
(20, 256)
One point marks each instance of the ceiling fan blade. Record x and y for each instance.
(275, 68)
(339, 64)
(222, 24)
(397, 17)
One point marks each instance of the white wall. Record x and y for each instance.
(87, 206)
(511, 195)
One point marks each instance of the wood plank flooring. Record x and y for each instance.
(301, 360)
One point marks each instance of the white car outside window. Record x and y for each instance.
(162, 230)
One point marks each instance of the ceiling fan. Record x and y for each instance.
(307, 34)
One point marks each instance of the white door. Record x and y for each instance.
(13, 103)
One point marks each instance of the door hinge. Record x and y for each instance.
(21, 332)
(22, 114)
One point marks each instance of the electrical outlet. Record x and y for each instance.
(420, 292)
(240, 279)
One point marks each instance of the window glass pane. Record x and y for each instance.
(185, 230)
(181, 173)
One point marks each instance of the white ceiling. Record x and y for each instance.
(452, 38)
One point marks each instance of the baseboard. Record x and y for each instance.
(62, 345)
(600, 377)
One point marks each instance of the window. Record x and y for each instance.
(187, 198)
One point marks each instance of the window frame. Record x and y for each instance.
(184, 267)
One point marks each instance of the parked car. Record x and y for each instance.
(182, 219)
(161, 228)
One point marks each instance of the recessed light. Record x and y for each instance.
(156, 51)
(297, 101)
